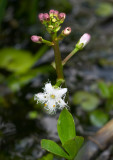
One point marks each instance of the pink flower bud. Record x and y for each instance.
(62, 16)
(41, 16)
(84, 39)
(36, 39)
(46, 16)
(67, 31)
(51, 11)
(56, 13)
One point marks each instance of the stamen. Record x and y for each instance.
(54, 19)
(53, 105)
(50, 26)
(52, 96)
(45, 104)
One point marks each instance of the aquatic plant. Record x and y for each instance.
(56, 96)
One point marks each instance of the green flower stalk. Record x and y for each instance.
(52, 22)
(55, 97)
(38, 39)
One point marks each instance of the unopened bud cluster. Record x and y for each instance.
(52, 20)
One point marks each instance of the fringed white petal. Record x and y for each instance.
(48, 88)
(41, 97)
(61, 92)
(51, 106)
(61, 104)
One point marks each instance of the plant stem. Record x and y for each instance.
(47, 42)
(58, 64)
(58, 61)
(69, 56)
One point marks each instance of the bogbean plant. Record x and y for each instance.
(56, 96)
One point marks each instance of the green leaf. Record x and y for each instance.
(98, 118)
(16, 60)
(88, 101)
(40, 52)
(3, 4)
(62, 5)
(2, 78)
(104, 89)
(109, 105)
(104, 9)
(19, 61)
(15, 82)
(32, 11)
(54, 148)
(111, 90)
(73, 146)
(66, 126)
(33, 114)
(106, 62)
(49, 156)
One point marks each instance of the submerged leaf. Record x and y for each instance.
(104, 9)
(16, 82)
(15, 60)
(98, 118)
(104, 89)
(87, 100)
(19, 61)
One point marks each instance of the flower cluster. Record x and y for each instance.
(52, 20)
(52, 98)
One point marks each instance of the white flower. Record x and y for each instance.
(52, 98)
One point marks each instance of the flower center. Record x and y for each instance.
(52, 96)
